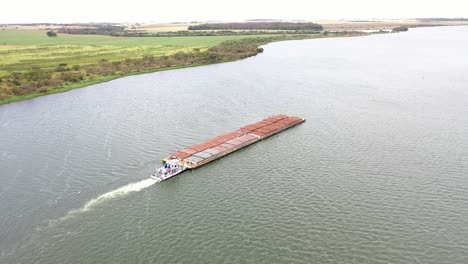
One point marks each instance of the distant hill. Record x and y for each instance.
(436, 19)
(264, 20)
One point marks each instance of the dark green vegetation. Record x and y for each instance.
(185, 33)
(51, 33)
(94, 29)
(400, 29)
(21, 77)
(218, 29)
(258, 26)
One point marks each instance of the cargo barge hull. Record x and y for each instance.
(198, 155)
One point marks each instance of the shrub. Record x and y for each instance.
(51, 33)
(71, 77)
(400, 29)
(60, 68)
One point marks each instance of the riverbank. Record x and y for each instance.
(83, 84)
(44, 81)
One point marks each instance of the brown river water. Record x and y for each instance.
(377, 174)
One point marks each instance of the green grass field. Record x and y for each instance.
(22, 50)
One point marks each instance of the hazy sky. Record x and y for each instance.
(21, 11)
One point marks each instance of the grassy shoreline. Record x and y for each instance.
(102, 79)
(224, 52)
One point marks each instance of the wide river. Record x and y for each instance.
(377, 174)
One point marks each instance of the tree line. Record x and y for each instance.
(133, 33)
(258, 25)
(140, 33)
(100, 29)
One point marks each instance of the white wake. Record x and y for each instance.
(124, 190)
(132, 187)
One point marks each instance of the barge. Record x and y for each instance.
(198, 155)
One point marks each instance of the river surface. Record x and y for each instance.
(377, 174)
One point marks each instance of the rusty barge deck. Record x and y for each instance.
(222, 145)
